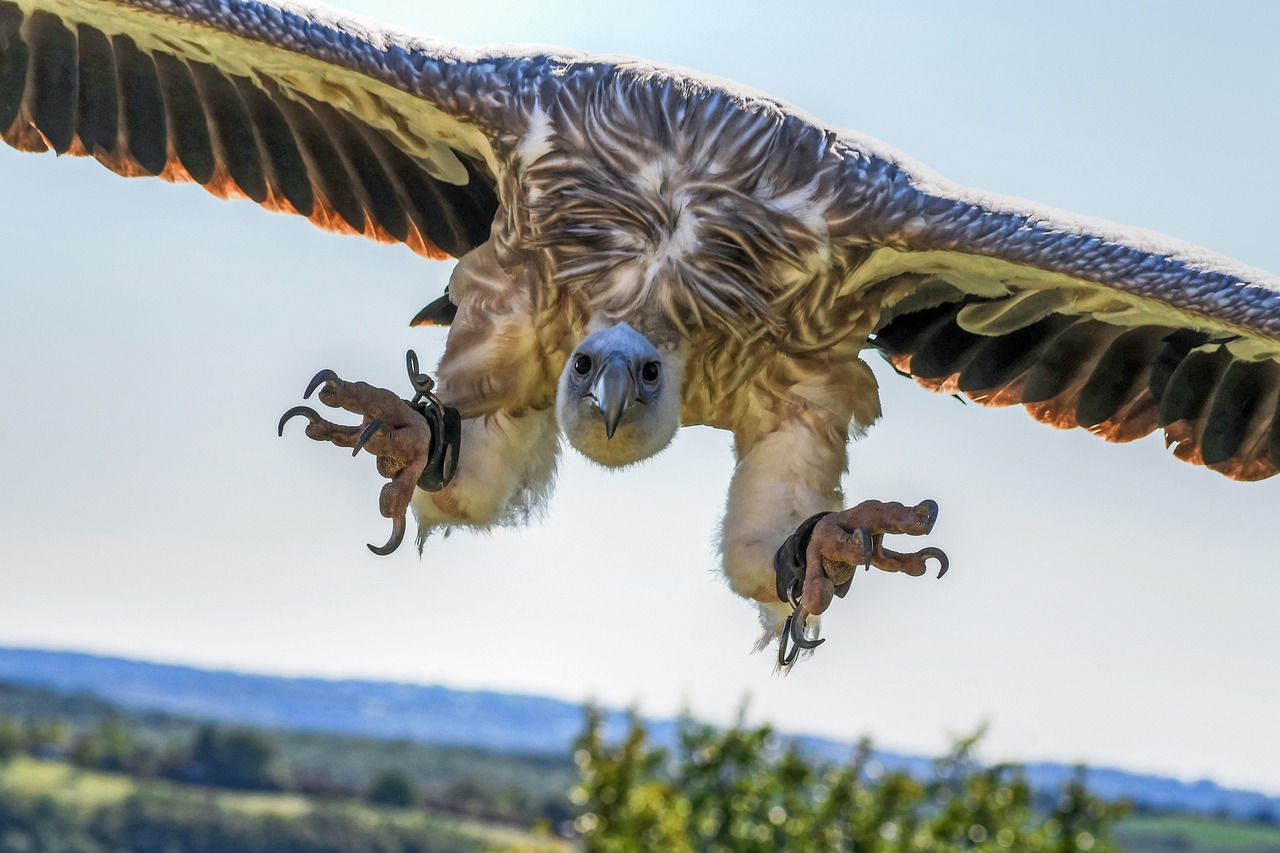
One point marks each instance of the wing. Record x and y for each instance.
(360, 129)
(1085, 323)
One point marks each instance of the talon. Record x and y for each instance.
(306, 411)
(798, 618)
(868, 545)
(374, 427)
(928, 510)
(397, 536)
(787, 658)
(937, 554)
(319, 379)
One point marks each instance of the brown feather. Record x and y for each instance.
(1136, 419)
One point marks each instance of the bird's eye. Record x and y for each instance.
(649, 373)
(582, 365)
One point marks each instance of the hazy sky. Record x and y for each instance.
(1105, 603)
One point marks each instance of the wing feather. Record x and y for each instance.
(14, 57)
(146, 136)
(54, 80)
(360, 131)
(1077, 356)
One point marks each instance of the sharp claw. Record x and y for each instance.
(868, 545)
(306, 411)
(937, 554)
(397, 536)
(369, 432)
(928, 510)
(319, 379)
(787, 658)
(798, 619)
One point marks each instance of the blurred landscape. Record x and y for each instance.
(103, 748)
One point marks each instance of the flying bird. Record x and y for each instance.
(641, 248)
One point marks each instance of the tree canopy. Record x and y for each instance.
(745, 790)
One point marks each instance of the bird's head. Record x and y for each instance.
(619, 397)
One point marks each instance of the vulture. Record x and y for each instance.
(640, 248)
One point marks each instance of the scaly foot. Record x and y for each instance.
(818, 562)
(416, 443)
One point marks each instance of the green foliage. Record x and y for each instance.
(674, 798)
(740, 791)
(391, 788)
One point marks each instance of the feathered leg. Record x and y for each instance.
(497, 371)
(505, 472)
(786, 544)
(782, 478)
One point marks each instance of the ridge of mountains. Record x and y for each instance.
(489, 720)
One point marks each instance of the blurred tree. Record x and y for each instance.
(11, 739)
(47, 737)
(740, 791)
(391, 788)
(115, 744)
(235, 758)
(84, 751)
(110, 747)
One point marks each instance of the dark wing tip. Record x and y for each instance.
(1119, 383)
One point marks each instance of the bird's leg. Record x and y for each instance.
(393, 430)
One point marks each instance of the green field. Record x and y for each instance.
(50, 805)
(1189, 834)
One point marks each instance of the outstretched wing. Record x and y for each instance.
(1085, 323)
(360, 129)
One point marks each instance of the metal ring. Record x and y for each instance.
(422, 384)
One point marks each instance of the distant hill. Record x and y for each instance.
(501, 722)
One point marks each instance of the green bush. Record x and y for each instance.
(391, 788)
(740, 791)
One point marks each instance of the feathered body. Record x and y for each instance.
(668, 207)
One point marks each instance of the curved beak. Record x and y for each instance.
(614, 390)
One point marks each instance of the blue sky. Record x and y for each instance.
(1105, 603)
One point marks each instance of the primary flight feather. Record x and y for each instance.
(641, 248)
